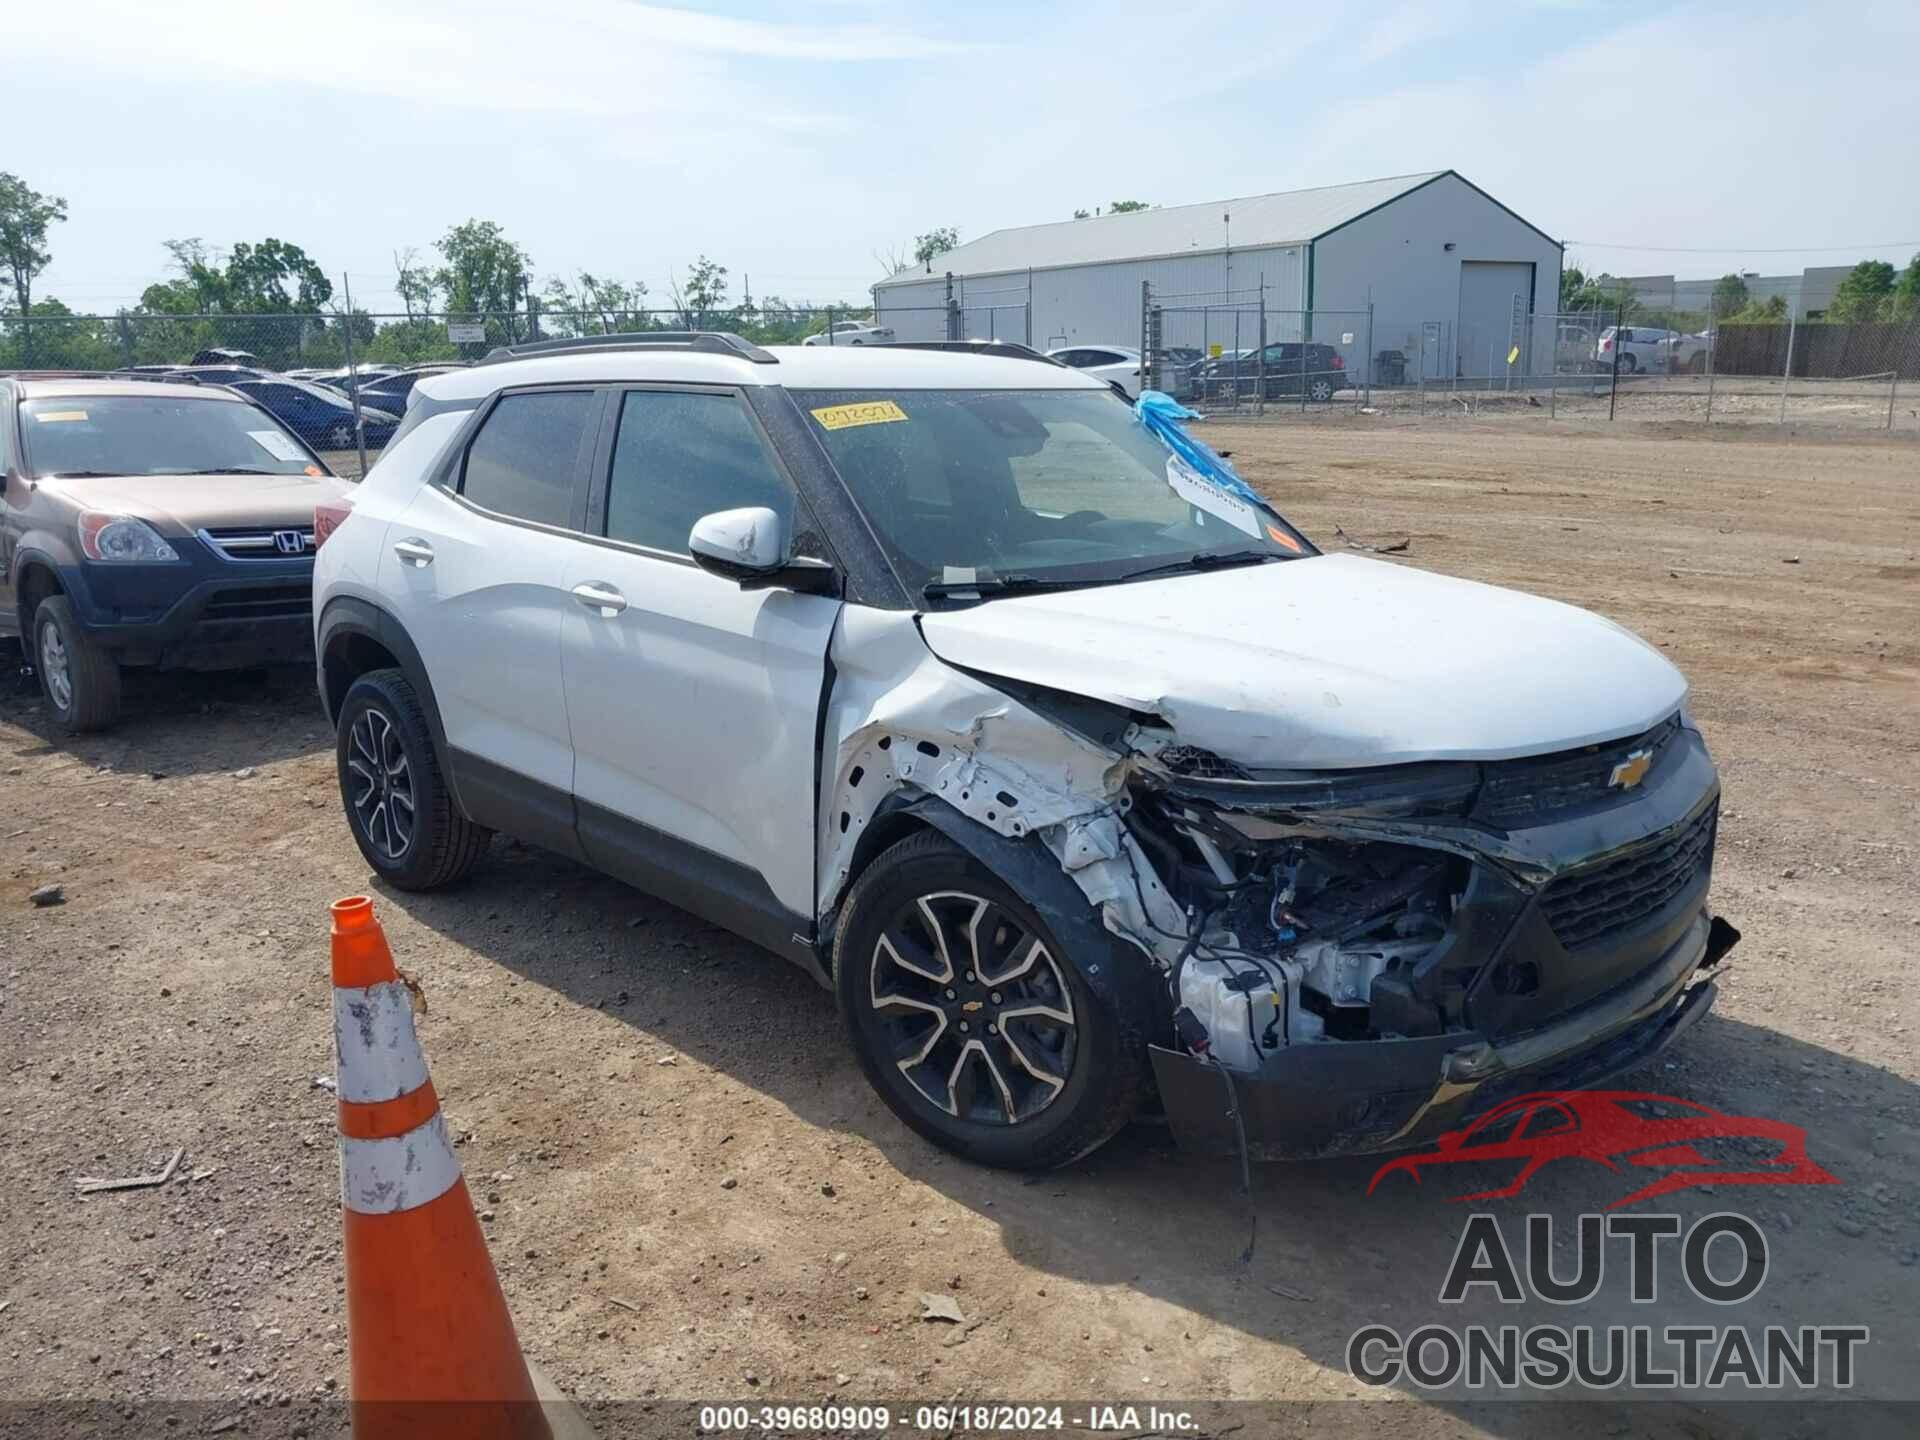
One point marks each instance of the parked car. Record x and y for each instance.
(1115, 364)
(1641, 348)
(226, 355)
(1688, 354)
(216, 374)
(1280, 369)
(852, 332)
(392, 391)
(938, 674)
(323, 418)
(151, 524)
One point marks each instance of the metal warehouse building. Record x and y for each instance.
(1429, 265)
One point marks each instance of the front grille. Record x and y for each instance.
(1588, 905)
(1524, 790)
(264, 602)
(257, 542)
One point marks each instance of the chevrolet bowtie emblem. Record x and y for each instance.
(1631, 771)
(971, 1006)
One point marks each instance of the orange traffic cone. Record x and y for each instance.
(431, 1347)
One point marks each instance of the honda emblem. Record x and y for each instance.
(290, 542)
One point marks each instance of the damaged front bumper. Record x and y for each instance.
(1574, 952)
(1365, 1097)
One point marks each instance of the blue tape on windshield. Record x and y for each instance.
(1162, 414)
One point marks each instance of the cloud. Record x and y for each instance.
(603, 58)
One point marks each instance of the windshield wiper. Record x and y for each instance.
(1206, 560)
(998, 585)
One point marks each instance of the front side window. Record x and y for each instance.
(523, 461)
(1050, 486)
(680, 455)
(156, 435)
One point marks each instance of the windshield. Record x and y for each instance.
(156, 435)
(1064, 487)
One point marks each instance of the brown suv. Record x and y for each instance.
(147, 523)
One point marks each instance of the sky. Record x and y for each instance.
(798, 144)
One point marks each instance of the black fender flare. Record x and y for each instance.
(350, 615)
(1110, 966)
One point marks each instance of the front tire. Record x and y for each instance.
(80, 680)
(974, 1022)
(398, 806)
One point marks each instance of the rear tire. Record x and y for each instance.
(1045, 1071)
(80, 680)
(398, 806)
(1628, 365)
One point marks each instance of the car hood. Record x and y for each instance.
(1331, 662)
(181, 504)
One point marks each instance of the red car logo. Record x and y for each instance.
(1679, 1143)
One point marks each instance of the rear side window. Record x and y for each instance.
(523, 461)
(681, 455)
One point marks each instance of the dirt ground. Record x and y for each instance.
(690, 1191)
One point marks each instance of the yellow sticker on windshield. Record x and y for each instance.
(54, 417)
(867, 412)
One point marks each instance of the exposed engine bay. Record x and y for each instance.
(1290, 940)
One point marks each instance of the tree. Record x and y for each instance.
(1582, 292)
(1127, 207)
(412, 281)
(704, 291)
(1729, 295)
(1770, 311)
(25, 215)
(485, 272)
(258, 275)
(1082, 214)
(250, 280)
(1863, 293)
(935, 242)
(1906, 294)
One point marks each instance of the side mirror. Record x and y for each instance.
(752, 546)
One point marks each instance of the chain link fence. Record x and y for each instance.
(1633, 360)
(341, 379)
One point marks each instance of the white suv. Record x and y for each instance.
(1072, 767)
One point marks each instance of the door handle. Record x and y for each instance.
(414, 551)
(598, 595)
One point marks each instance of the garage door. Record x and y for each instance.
(1485, 331)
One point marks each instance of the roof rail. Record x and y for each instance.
(161, 379)
(713, 342)
(157, 377)
(1004, 349)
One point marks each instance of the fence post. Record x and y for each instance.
(1893, 389)
(126, 349)
(1146, 328)
(1368, 402)
(1713, 339)
(1613, 394)
(1306, 329)
(829, 325)
(1786, 375)
(1260, 355)
(353, 375)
